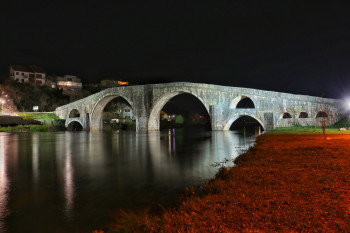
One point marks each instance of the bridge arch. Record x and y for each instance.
(240, 101)
(304, 115)
(286, 115)
(74, 125)
(233, 119)
(74, 113)
(321, 114)
(153, 121)
(96, 113)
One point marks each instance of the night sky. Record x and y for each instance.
(300, 47)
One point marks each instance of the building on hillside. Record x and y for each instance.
(106, 83)
(69, 83)
(26, 74)
(127, 113)
(124, 111)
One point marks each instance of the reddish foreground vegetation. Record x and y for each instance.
(287, 183)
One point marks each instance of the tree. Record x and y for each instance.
(25, 96)
(179, 119)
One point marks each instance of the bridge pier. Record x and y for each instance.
(141, 123)
(216, 113)
(96, 124)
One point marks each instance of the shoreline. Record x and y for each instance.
(286, 182)
(32, 128)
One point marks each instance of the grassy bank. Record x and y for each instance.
(308, 130)
(32, 122)
(38, 115)
(286, 183)
(32, 128)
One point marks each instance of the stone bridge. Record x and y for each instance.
(271, 109)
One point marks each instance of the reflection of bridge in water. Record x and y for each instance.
(214, 146)
(83, 161)
(270, 109)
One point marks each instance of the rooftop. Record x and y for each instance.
(32, 68)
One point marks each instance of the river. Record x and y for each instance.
(77, 181)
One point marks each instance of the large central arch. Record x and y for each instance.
(153, 122)
(96, 114)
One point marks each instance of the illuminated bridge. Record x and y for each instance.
(270, 109)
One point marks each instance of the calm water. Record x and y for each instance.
(75, 181)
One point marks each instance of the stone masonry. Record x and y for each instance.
(272, 109)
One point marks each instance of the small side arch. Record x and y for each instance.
(153, 121)
(286, 115)
(303, 115)
(230, 122)
(321, 114)
(74, 126)
(96, 113)
(242, 102)
(74, 113)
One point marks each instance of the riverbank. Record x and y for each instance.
(312, 130)
(287, 182)
(33, 128)
(31, 122)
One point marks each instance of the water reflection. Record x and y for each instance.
(196, 153)
(172, 143)
(3, 181)
(81, 178)
(35, 159)
(68, 177)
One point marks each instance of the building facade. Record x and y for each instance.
(69, 83)
(124, 111)
(26, 74)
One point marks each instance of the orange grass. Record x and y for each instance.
(286, 183)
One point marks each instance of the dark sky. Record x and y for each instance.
(281, 45)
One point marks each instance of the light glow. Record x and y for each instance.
(121, 83)
(67, 83)
(4, 184)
